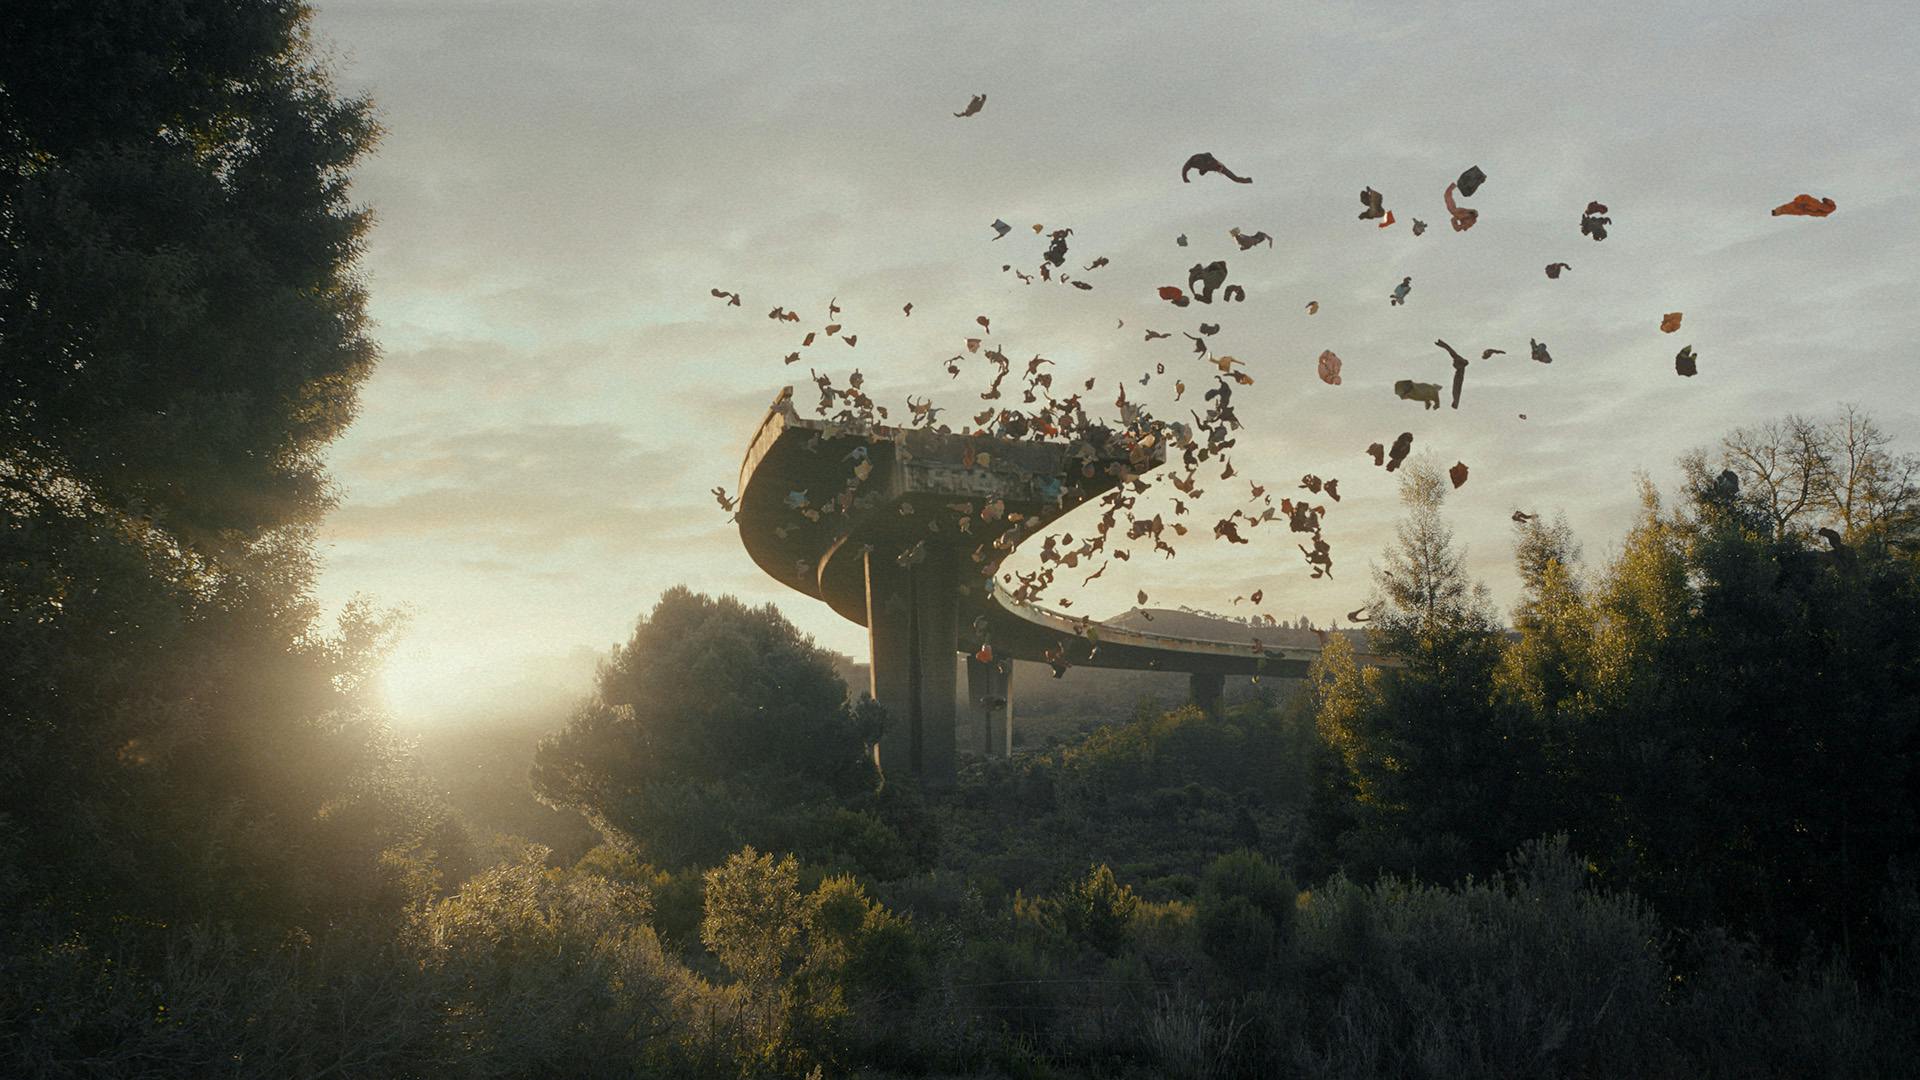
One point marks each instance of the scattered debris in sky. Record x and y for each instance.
(1132, 441)
(1206, 163)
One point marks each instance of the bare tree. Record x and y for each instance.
(1781, 465)
(1867, 491)
(1805, 475)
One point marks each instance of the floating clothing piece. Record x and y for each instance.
(1459, 370)
(1683, 362)
(1428, 394)
(1207, 163)
(1553, 269)
(1370, 199)
(1806, 206)
(1540, 351)
(979, 101)
(1402, 446)
(1330, 368)
(1593, 224)
(1212, 275)
(1470, 181)
(1670, 322)
(1458, 474)
(1464, 217)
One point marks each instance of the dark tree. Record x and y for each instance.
(1434, 772)
(181, 329)
(712, 716)
(181, 334)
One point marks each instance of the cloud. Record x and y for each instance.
(530, 494)
(561, 186)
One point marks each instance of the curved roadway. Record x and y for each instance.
(921, 483)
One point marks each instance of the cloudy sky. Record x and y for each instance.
(561, 184)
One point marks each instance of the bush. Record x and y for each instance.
(1094, 911)
(1245, 916)
(1530, 975)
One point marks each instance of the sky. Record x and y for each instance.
(561, 184)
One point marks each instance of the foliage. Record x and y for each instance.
(181, 334)
(184, 329)
(1433, 771)
(1726, 716)
(1094, 910)
(1245, 915)
(754, 915)
(716, 725)
(547, 971)
(1154, 798)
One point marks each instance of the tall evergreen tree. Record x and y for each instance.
(182, 332)
(1443, 773)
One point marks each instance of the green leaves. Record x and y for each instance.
(184, 328)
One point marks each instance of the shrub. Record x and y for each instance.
(1094, 911)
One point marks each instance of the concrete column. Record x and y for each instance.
(990, 699)
(936, 616)
(1006, 715)
(889, 648)
(912, 630)
(1207, 691)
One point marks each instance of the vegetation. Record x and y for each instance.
(1659, 827)
(1724, 719)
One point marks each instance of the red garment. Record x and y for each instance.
(1806, 206)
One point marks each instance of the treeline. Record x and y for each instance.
(896, 934)
(1725, 718)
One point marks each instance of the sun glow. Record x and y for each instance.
(420, 682)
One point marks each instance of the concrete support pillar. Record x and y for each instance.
(1207, 691)
(936, 616)
(1006, 715)
(889, 650)
(990, 703)
(912, 628)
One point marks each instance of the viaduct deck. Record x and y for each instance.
(869, 519)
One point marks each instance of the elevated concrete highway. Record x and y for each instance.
(895, 528)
